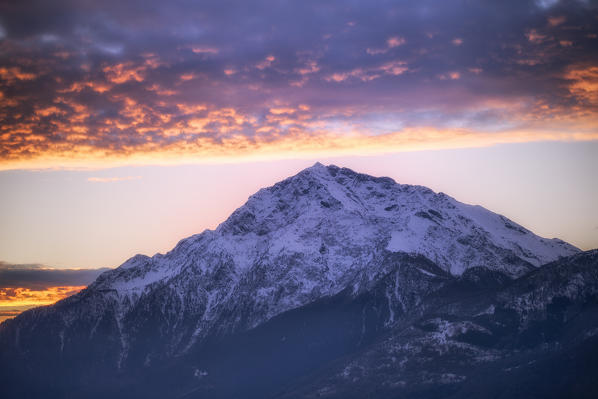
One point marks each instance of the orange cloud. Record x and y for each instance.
(141, 129)
(99, 87)
(556, 21)
(26, 296)
(14, 301)
(9, 313)
(161, 91)
(121, 73)
(584, 83)
(395, 68)
(12, 74)
(282, 110)
(48, 111)
(187, 76)
(287, 134)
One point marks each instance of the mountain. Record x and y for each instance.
(478, 336)
(330, 283)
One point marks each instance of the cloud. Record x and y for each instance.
(395, 41)
(14, 301)
(204, 50)
(25, 286)
(584, 84)
(23, 297)
(266, 63)
(8, 313)
(38, 277)
(159, 82)
(556, 20)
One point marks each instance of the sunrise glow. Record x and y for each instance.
(15, 300)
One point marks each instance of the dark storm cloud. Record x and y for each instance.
(37, 277)
(129, 77)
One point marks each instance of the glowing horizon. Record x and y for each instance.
(14, 301)
(310, 148)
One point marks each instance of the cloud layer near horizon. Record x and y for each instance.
(24, 286)
(149, 82)
(39, 277)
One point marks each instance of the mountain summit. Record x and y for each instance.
(365, 253)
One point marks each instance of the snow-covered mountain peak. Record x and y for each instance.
(338, 220)
(323, 231)
(327, 228)
(318, 189)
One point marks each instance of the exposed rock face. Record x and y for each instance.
(378, 258)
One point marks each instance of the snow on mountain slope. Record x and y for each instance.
(310, 236)
(483, 340)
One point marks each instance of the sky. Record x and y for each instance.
(126, 126)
